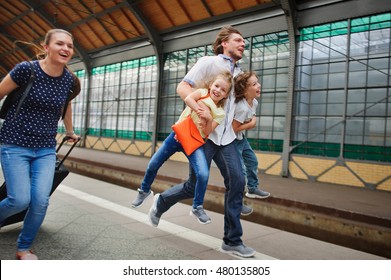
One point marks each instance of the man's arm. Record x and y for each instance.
(184, 89)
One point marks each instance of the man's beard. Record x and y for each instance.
(233, 55)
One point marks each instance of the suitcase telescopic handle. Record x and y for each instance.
(66, 138)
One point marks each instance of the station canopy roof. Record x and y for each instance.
(98, 25)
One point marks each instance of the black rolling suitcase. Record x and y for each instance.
(59, 175)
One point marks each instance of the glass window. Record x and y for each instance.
(338, 74)
(122, 99)
(270, 59)
(321, 78)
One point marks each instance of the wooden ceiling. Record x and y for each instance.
(101, 24)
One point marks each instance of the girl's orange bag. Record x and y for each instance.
(188, 135)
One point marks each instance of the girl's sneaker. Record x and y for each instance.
(200, 215)
(141, 197)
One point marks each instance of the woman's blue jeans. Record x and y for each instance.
(227, 159)
(197, 161)
(249, 163)
(28, 173)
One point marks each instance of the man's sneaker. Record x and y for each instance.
(240, 250)
(154, 215)
(141, 197)
(246, 210)
(200, 214)
(257, 193)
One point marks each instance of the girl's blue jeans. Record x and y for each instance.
(197, 161)
(28, 173)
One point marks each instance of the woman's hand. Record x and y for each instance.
(72, 137)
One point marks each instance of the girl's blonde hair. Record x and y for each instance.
(241, 81)
(226, 76)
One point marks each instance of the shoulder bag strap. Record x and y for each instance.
(27, 89)
(67, 101)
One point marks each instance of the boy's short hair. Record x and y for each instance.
(240, 84)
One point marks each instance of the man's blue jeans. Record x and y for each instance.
(227, 159)
(197, 161)
(249, 163)
(28, 173)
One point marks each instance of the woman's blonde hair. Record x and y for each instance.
(39, 51)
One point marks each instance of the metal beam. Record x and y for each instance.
(289, 8)
(206, 6)
(12, 39)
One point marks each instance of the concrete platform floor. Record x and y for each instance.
(348, 216)
(91, 220)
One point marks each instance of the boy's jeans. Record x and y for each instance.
(249, 163)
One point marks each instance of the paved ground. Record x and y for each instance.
(91, 220)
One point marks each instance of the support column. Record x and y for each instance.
(289, 8)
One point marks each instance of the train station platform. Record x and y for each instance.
(90, 218)
(349, 216)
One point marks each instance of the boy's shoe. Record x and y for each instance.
(240, 250)
(246, 210)
(200, 214)
(257, 193)
(154, 215)
(141, 197)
